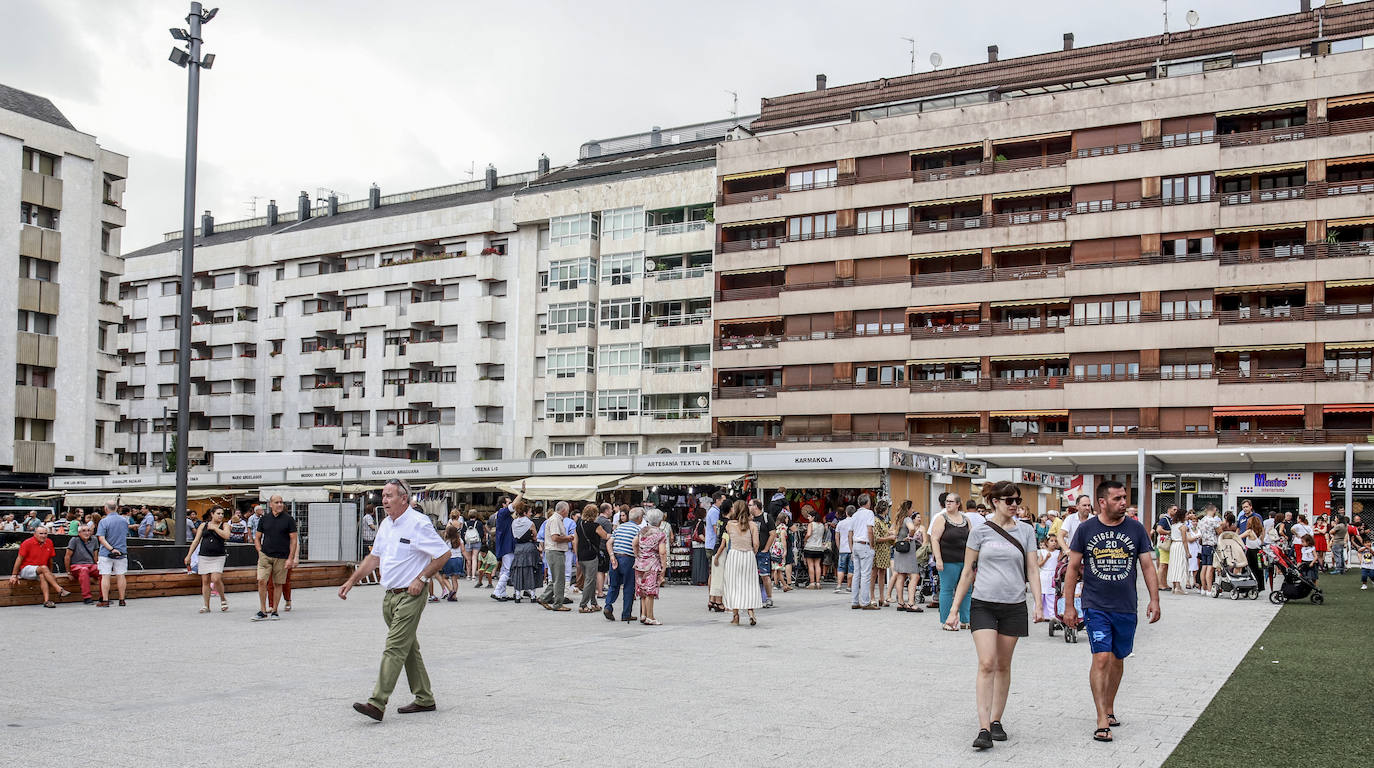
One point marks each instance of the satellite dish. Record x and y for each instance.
(650, 265)
(702, 401)
(936, 60)
(1192, 19)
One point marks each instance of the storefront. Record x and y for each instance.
(1328, 492)
(1040, 491)
(1270, 492)
(1190, 492)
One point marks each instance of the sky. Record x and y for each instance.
(339, 94)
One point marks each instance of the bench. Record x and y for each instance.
(168, 582)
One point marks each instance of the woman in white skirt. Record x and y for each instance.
(715, 592)
(741, 568)
(210, 538)
(1179, 538)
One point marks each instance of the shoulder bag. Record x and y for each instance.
(1025, 556)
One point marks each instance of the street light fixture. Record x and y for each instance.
(190, 60)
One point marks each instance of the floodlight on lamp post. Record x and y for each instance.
(190, 60)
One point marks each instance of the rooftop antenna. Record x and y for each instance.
(252, 204)
(912, 40)
(936, 60)
(734, 105)
(472, 170)
(1192, 19)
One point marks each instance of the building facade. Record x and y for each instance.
(378, 327)
(1157, 243)
(58, 297)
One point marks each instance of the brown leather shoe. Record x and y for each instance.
(413, 707)
(366, 708)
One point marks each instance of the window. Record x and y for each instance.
(1352, 44)
(46, 271)
(493, 287)
(884, 375)
(39, 162)
(617, 404)
(1107, 367)
(620, 314)
(497, 247)
(492, 371)
(571, 273)
(621, 268)
(566, 362)
(811, 227)
(37, 322)
(276, 421)
(276, 385)
(279, 309)
(356, 301)
(566, 406)
(883, 220)
(167, 356)
(620, 447)
(280, 274)
(169, 322)
(1185, 305)
(568, 230)
(1350, 365)
(617, 359)
(491, 414)
(222, 281)
(363, 261)
(1106, 311)
(564, 448)
(622, 223)
(1181, 247)
(250, 278)
(566, 318)
(1177, 190)
(38, 216)
(812, 178)
(543, 239)
(139, 325)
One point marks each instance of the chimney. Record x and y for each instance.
(207, 224)
(333, 205)
(303, 207)
(271, 213)
(656, 137)
(820, 82)
(1068, 41)
(490, 183)
(374, 197)
(992, 53)
(542, 165)
(1305, 5)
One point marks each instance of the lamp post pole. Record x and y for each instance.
(192, 61)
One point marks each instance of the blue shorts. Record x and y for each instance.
(843, 565)
(454, 567)
(1110, 632)
(1205, 556)
(764, 562)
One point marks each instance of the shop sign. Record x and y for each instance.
(1263, 482)
(1033, 477)
(78, 482)
(405, 472)
(125, 481)
(485, 469)
(691, 462)
(934, 464)
(812, 460)
(592, 465)
(251, 478)
(331, 475)
(1168, 486)
(1362, 483)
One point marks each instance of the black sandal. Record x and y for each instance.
(1112, 721)
(1102, 734)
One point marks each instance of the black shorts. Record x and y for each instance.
(814, 555)
(1008, 619)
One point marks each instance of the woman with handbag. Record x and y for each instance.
(701, 559)
(883, 539)
(1000, 550)
(813, 546)
(209, 544)
(904, 563)
(741, 575)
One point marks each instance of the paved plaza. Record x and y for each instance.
(814, 684)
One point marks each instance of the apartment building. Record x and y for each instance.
(622, 243)
(58, 294)
(376, 327)
(1159, 242)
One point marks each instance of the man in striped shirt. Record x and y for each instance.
(621, 546)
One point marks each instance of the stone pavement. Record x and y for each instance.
(814, 684)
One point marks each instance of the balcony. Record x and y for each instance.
(747, 342)
(846, 437)
(743, 441)
(1270, 376)
(113, 215)
(735, 393)
(487, 392)
(327, 396)
(751, 244)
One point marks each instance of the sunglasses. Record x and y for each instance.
(1014, 501)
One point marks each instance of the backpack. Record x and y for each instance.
(471, 537)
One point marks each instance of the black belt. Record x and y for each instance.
(398, 590)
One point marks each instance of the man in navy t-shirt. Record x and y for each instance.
(1105, 550)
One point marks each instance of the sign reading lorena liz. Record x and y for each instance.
(485, 469)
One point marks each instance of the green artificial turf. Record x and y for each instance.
(1312, 708)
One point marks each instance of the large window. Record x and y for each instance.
(1106, 311)
(571, 273)
(812, 178)
(621, 268)
(1186, 305)
(618, 359)
(568, 448)
(617, 404)
(566, 318)
(566, 406)
(1177, 190)
(620, 448)
(620, 314)
(1181, 247)
(567, 230)
(883, 220)
(811, 226)
(622, 223)
(565, 362)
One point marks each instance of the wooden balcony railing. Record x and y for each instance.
(748, 342)
(942, 385)
(744, 294)
(847, 437)
(1030, 382)
(736, 393)
(753, 196)
(1271, 376)
(743, 441)
(757, 244)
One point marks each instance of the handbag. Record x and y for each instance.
(903, 545)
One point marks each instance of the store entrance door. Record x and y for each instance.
(1270, 505)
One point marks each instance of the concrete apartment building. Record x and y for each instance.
(623, 244)
(1149, 243)
(382, 327)
(57, 299)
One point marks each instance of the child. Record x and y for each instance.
(453, 569)
(1308, 565)
(486, 566)
(1366, 565)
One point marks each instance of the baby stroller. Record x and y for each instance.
(1233, 574)
(1295, 585)
(1056, 621)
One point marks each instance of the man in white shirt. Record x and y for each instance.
(556, 553)
(844, 565)
(861, 556)
(1083, 508)
(409, 553)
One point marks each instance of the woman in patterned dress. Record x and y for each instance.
(651, 555)
(883, 538)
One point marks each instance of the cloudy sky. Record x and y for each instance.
(338, 94)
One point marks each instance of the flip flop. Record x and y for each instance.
(1102, 734)
(203, 610)
(1112, 721)
(223, 606)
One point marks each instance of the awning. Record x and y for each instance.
(88, 499)
(1349, 283)
(751, 270)
(952, 148)
(1348, 408)
(1260, 169)
(942, 360)
(1028, 302)
(1347, 101)
(1050, 356)
(737, 321)
(1257, 410)
(562, 487)
(1352, 345)
(1051, 412)
(946, 201)
(1262, 228)
(38, 495)
(753, 174)
(749, 418)
(637, 482)
(812, 479)
(755, 223)
(968, 415)
(1349, 161)
(1359, 221)
(168, 497)
(1040, 137)
(1270, 288)
(488, 484)
(1261, 110)
(941, 308)
(1031, 193)
(942, 254)
(1034, 247)
(1263, 348)
(296, 493)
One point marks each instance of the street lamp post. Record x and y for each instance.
(192, 61)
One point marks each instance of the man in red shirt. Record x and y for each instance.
(32, 564)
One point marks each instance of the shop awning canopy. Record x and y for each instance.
(751, 270)
(1261, 228)
(1049, 356)
(1011, 414)
(812, 479)
(1263, 348)
(1348, 408)
(1037, 137)
(755, 222)
(38, 495)
(1257, 410)
(562, 488)
(89, 499)
(753, 174)
(1029, 302)
(473, 486)
(1267, 288)
(296, 493)
(1348, 101)
(947, 201)
(1349, 161)
(1350, 283)
(1351, 345)
(638, 482)
(942, 360)
(168, 497)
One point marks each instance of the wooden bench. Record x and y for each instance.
(164, 583)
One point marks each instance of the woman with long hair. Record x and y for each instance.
(209, 544)
(741, 564)
(813, 546)
(715, 593)
(1001, 551)
(1179, 539)
(589, 540)
(905, 566)
(455, 569)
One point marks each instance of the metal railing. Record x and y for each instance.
(677, 228)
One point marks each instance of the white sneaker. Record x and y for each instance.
(1364, 586)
